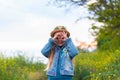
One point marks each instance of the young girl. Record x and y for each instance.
(60, 51)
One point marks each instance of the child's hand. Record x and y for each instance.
(60, 38)
(64, 36)
(55, 38)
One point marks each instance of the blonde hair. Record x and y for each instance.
(50, 58)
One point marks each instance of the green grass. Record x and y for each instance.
(98, 66)
(20, 68)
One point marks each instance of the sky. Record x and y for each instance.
(26, 24)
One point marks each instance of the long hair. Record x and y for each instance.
(50, 58)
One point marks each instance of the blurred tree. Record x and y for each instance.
(62, 3)
(108, 13)
(102, 11)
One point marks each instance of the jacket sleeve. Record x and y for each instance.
(72, 50)
(46, 49)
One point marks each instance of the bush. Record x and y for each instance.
(19, 68)
(98, 66)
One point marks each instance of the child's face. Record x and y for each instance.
(60, 38)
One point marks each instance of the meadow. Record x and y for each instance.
(21, 68)
(99, 65)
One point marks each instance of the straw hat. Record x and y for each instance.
(58, 29)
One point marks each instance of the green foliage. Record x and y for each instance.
(106, 12)
(98, 66)
(19, 68)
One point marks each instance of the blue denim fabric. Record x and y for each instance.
(50, 78)
(65, 53)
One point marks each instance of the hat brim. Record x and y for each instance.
(54, 31)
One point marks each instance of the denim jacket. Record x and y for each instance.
(68, 52)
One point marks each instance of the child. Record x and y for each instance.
(60, 51)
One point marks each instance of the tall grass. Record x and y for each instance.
(98, 66)
(88, 66)
(20, 68)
